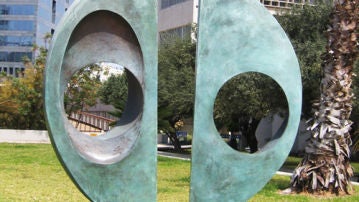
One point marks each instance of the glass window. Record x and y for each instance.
(19, 71)
(18, 25)
(3, 56)
(16, 40)
(183, 32)
(16, 71)
(168, 3)
(19, 56)
(17, 9)
(14, 56)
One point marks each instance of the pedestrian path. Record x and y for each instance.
(186, 157)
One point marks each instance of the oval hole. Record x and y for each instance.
(103, 102)
(106, 36)
(96, 98)
(250, 110)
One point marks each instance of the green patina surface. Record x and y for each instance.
(234, 37)
(122, 165)
(237, 37)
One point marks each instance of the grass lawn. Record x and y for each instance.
(31, 172)
(292, 162)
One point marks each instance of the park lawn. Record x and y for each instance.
(31, 172)
(292, 162)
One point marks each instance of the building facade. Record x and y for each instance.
(24, 23)
(176, 17)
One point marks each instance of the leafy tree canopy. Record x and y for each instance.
(176, 83)
(21, 98)
(247, 96)
(82, 88)
(114, 91)
(306, 29)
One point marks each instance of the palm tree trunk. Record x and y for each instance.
(325, 166)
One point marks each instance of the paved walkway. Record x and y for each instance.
(186, 157)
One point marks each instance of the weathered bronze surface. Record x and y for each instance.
(120, 165)
(235, 37)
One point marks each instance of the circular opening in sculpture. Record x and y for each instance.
(101, 96)
(103, 36)
(250, 110)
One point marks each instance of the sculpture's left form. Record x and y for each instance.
(121, 165)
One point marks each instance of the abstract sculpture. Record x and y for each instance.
(235, 37)
(110, 167)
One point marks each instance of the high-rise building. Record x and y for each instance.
(24, 23)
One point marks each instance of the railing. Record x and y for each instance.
(284, 3)
(87, 122)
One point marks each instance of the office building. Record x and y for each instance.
(24, 23)
(176, 17)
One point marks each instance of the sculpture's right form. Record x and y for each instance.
(235, 37)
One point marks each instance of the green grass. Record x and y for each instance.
(31, 172)
(173, 179)
(292, 162)
(270, 193)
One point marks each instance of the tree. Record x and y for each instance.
(325, 166)
(355, 112)
(21, 98)
(81, 92)
(176, 66)
(306, 28)
(114, 91)
(22, 101)
(244, 100)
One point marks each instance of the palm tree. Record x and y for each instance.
(47, 39)
(325, 166)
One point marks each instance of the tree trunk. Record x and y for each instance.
(249, 132)
(325, 166)
(175, 141)
(251, 138)
(233, 142)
